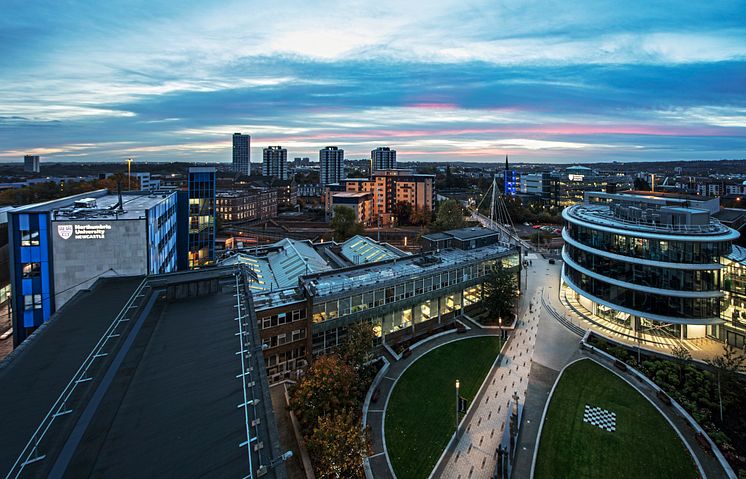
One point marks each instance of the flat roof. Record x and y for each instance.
(463, 234)
(35, 373)
(166, 399)
(134, 206)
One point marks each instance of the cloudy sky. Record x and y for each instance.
(439, 80)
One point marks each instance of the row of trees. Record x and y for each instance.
(450, 215)
(328, 404)
(51, 191)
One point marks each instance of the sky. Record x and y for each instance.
(438, 80)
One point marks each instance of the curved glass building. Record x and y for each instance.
(646, 263)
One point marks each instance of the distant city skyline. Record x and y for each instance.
(560, 82)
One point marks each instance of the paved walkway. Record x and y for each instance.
(475, 453)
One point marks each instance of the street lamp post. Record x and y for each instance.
(129, 176)
(458, 385)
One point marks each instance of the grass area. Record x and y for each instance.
(421, 413)
(643, 445)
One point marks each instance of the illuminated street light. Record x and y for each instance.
(458, 385)
(129, 177)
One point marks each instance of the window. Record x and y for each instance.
(31, 302)
(298, 334)
(29, 238)
(31, 270)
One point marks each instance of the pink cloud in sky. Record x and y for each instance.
(532, 131)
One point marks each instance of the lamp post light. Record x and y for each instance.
(500, 322)
(458, 385)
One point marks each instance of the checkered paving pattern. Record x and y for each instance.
(600, 418)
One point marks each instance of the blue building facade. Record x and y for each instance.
(162, 236)
(511, 180)
(31, 276)
(202, 213)
(58, 247)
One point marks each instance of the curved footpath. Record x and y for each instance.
(380, 466)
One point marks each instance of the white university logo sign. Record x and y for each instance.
(65, 231)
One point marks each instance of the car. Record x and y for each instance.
(552, 261)
(536, 227)
(526, 224)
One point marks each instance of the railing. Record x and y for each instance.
(30, 453)
(244, 373)
(590, 213)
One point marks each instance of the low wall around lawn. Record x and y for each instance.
(674, 404)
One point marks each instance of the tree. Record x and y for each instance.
(403, 212)
(500, 292)
(328, 386)
(421, 216)
(344, 224)
(727, 366)
(450, 216)
(338, 446)
(682, 355)
(359, 345)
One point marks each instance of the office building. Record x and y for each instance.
(358, 201)
(511, 181)
(331, 165)
(275, 162)
(533, 183)
(306, 295)
(387, 188)
(146, 182)
(31, 164)
(247, 205)
(144, 376)
(402, 297)
(60, 247)
(202, 213)
(382, 158)
(647, 264)
(241, 154)
(462, 239)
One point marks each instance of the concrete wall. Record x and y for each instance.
(90, 253)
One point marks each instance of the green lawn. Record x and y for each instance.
(421, 414)
(644, 444)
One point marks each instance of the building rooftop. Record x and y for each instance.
(147, 395)
(335, 282)
(362, 250)
(278, 266)
(134, 206)
(738, 254)
(602, 214)
(463, 234)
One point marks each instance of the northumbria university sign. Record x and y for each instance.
(82, 232)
